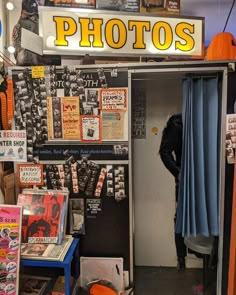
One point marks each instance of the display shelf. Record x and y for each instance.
(66, 265)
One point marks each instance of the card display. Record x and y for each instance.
(91, 128)
(10, 236)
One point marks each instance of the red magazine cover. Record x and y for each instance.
(43, 216)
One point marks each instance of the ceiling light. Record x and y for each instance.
(11, 49)
(10, 6)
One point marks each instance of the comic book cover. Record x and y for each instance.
(120, 5)
(42, 217)
(71, 3)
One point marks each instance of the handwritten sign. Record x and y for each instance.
(13, 146)
(113, 99)
(38, 72)
(30, 174)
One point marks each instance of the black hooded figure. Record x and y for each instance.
(170, 152)
(29, 21)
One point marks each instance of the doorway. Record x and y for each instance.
(153, 185)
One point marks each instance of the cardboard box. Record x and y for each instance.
(59, 286)
(160, 6)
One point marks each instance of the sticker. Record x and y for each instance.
(5, 232)
(3, 266)
(2, 287)
(4, 244)
(10, 289)
(11, 278)
(14, 245)
(3, 253)
(13, 234)
(11, 267)
(11, 256)
(38, 72)
(3, 277)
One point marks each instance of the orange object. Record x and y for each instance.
(7, 105)
(222, 46)
(98, 289)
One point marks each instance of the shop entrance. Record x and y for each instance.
(156, 96)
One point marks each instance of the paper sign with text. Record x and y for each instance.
(13, 146)
(30, 174)
(113, 99)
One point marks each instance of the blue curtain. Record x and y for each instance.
(197, 210)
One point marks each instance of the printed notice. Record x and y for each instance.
(30, 174)
(13, 146)
(38, 72)
(93, 207)
(113, 99)
(113, 126)
(90, 128)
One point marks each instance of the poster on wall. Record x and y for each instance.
(139, 113)
(90, 128)
(10, 236)
(71, 3)
(63, 118)
(120, 5)
(13, 146)
(113, 99)
(93, 207)
(30, 175)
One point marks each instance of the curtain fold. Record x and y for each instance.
(197, 210)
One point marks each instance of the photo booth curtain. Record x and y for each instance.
(197, 210)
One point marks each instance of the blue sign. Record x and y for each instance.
(0, 28)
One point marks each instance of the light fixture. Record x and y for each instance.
(10, 5)
(11, 49)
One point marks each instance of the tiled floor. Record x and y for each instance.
(166, 281)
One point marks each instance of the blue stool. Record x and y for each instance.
(66, 265)
(202, 245)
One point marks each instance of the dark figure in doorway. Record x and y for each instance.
(170, 152)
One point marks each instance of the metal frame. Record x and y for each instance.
(185, 69)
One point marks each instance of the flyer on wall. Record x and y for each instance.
(63, 118)
(90, 128)
(113, 125)
(10, 236)
(30, 175)
(13, 146)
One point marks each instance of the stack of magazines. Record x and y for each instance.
(44, 224)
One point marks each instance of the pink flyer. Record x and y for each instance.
(10, 236)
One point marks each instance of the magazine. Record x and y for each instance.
(44, 217)
(33, 285)
(46, 251)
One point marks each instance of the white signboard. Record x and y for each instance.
(74, 31)
(13, 146)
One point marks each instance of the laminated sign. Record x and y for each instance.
(13, 146)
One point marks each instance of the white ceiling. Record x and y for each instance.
(214, 11)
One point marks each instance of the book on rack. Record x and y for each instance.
(33, 285)
(46, 251)
(44, 216)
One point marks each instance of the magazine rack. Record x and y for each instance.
(66, 265)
